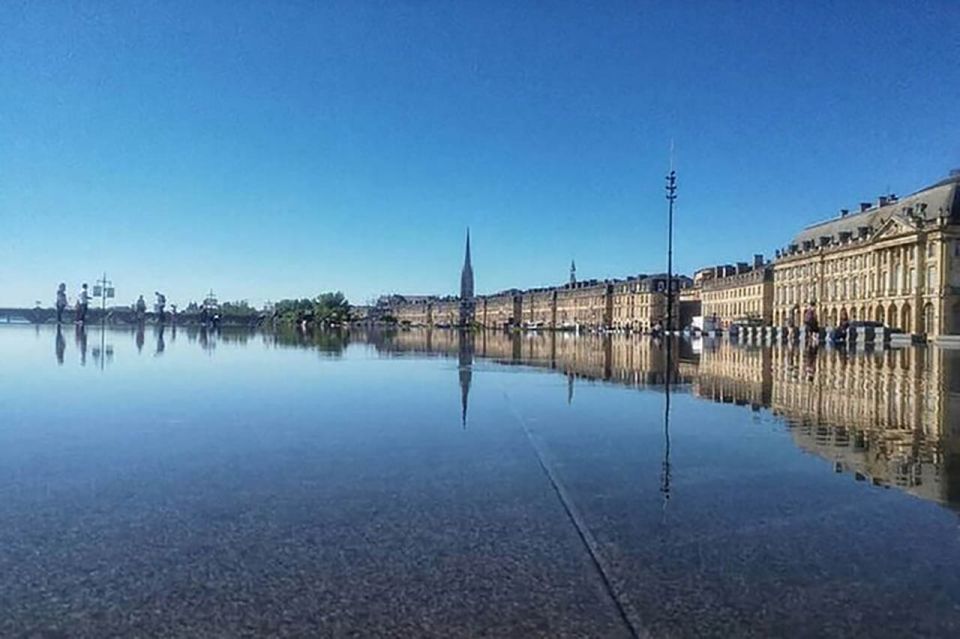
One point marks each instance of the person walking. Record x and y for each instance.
(61, 301)
(83, 302)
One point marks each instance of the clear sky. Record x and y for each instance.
(285, 148)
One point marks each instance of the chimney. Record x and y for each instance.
(882, 200)
(742, 267)
(844, 212)
(865, 206)
(757, 260)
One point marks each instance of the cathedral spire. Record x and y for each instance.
(573, 272)
(466, 287)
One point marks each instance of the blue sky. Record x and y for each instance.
(279, 149)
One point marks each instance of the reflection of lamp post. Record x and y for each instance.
(103, 288)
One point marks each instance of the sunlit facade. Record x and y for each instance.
(896, 262)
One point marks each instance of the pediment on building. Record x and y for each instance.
(895, 226)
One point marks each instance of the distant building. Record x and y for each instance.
(738, 293)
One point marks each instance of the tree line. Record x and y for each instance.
(326, 308)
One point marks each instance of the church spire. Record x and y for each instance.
(466, 275)
(573, 272)
(466, 288)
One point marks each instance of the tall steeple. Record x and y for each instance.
(466, 275)
(466, 288)
(573, 272)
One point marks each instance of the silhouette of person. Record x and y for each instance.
(83, 302)
(141, 309)
(61, 301)
(81, 339)
(161, 306)
(60, 345)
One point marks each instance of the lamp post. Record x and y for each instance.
(671, 197)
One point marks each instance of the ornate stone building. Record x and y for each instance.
(896, 261)
(736, 293)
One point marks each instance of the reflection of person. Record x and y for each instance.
(844, 324)
(160, 344)
(81, 339)
(60, 345)
(61, 301)
(810, 362)
(139, 338)
(83, 302)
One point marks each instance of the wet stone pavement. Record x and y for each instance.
(408, 484)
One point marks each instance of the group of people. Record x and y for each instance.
(812, 326)
(83, 304)
(160, 306)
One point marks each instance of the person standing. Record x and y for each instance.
(61, 301)
(83, 302)
(161, 305)
(141, 309)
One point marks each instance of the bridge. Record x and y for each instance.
(121, 316)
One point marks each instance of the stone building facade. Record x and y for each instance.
(502, 310)
(738, 293)
(896, 261)
(583, 305)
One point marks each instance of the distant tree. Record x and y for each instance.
(237, 309)
(324, 308)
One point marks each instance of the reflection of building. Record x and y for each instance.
(891, 417)
(895, 261)
(741, 292)
(886, 416)
(738, 376)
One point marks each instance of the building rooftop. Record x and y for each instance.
(941, 199)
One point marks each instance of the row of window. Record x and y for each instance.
(891, 282)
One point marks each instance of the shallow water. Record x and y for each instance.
(195, 483)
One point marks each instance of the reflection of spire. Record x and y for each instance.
(569, 388)
(465, 370)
